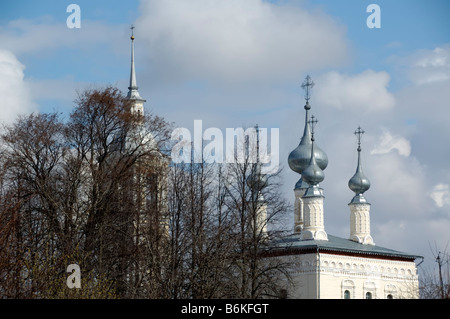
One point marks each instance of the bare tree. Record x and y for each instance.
(82, 188)
(99, 191)
(434, 284)
(255, 207)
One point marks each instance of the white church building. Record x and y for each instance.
(326, 266)
(330, 267)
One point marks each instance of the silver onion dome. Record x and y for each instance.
(299, 158)
(359, 183)
(313, 173)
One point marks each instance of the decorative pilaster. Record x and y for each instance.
(360, 223)
(313, 227)
(298, 209)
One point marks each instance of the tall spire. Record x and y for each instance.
(257, 181)
(133, 93)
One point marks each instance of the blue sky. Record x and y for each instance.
(406, 25)
(238, 63)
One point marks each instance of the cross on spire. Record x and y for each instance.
(359, 132)
(312, 123)
(132, 32)
(307, 85)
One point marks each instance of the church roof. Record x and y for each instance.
(292, 245)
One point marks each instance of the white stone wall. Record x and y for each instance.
(360, 223)
(313, 222)
(357, 275)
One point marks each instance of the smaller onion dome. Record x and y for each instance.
(313, 174)
(359, 183)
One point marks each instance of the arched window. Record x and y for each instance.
(346, 294)
(369, 290)
(390, 291)
(348, 289)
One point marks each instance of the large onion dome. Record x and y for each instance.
(299, 159)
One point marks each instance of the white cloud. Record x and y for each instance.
(388, 143)
(429, 66)
(441, 195)
(398, 186)
(366, 91)
(234, 40)
(14, 92)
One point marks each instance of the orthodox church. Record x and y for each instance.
(327, 266)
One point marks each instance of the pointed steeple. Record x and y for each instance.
(257, 181)
(133, 93)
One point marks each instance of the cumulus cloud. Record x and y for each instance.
(366, 91)
(441, 195)
(431, 66)
(14, 91)
(234, 40)
(388, 143)
(425, 67)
